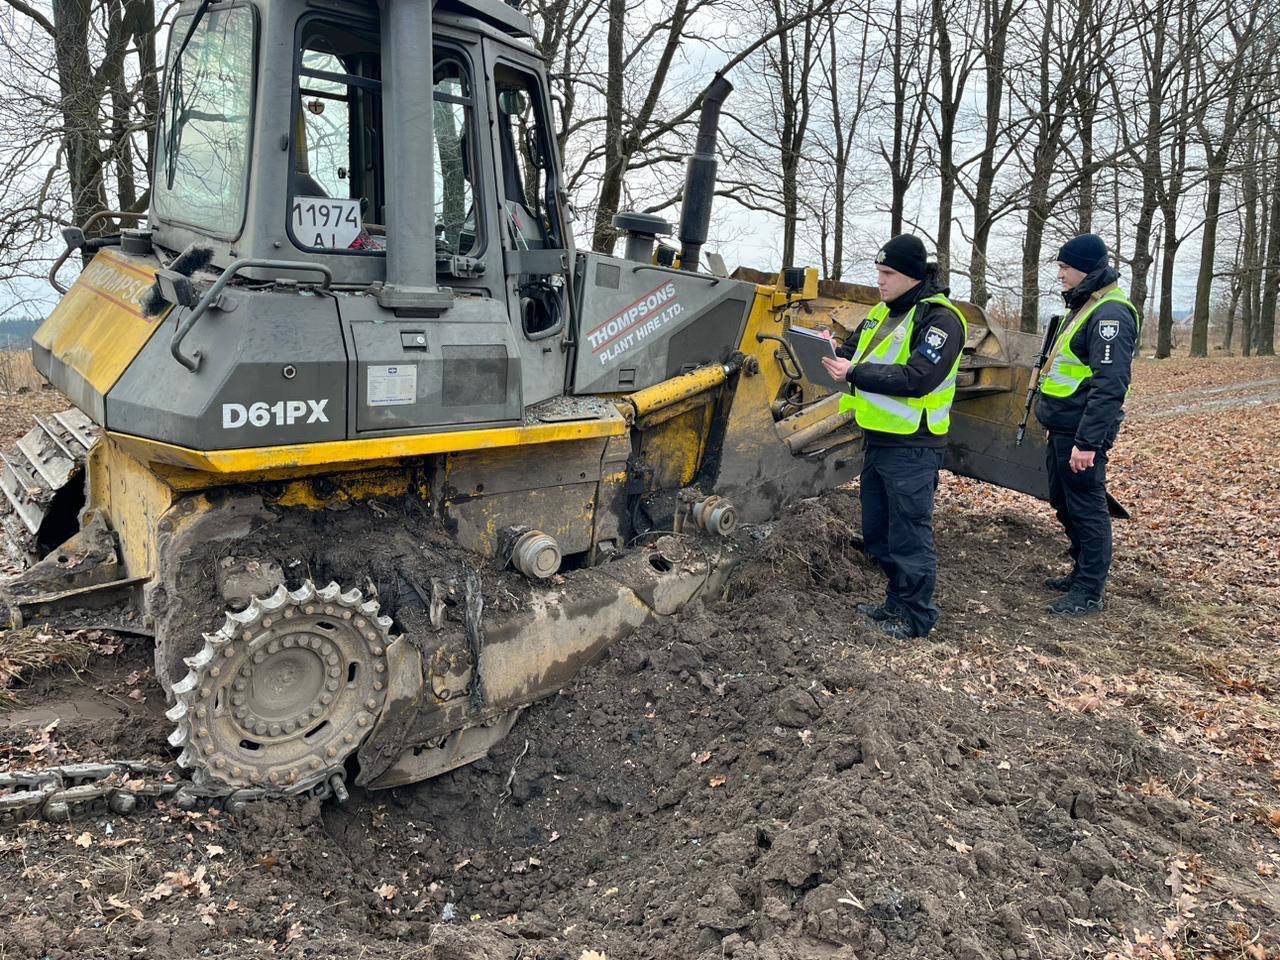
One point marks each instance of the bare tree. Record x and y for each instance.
(911, 62)
(996, 17)
(1229, 73)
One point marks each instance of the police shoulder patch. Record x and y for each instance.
(935, 337)
(1108, 329)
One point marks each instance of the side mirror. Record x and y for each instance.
(176, 288)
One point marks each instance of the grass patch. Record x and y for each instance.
(29, 650)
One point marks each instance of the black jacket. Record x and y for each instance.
(926, 367)
(1107, 343)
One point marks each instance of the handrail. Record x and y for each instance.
(78, 234)
(778, 355)
(192, 362)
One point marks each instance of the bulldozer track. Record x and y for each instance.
(122, 787)
(33, 472)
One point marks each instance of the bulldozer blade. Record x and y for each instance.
(41, 477)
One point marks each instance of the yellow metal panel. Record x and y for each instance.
(98, 327)
(268, 463)
(133, 499)
(674, 448)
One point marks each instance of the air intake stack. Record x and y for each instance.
(700, 175)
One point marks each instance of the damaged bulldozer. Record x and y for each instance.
(369, 448)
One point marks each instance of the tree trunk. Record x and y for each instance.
(79, 99)
(1267, 318)
(1032, 245)
(1208, 258)
(604, 236)
(1164, 341)
(1230, 330)
(996, 16)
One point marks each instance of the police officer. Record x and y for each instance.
(901, 363)
(1082, 391)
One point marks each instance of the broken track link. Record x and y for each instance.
(284, 692)
(120, 787)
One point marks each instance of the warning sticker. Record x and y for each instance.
(389, 386)
(634, 323)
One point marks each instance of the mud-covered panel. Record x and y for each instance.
(982, 443)
(673, 449)
(563, 512)
(272, 372)
(638, 323)
(97, 329)
(486, 472)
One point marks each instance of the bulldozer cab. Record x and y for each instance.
(386, 147)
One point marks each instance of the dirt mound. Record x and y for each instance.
(760, 778)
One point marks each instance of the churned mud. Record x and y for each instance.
(763, 777)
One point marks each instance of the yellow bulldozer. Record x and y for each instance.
(373, 452)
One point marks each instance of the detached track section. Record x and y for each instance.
(41, 477)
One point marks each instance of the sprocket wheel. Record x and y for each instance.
(284, 692)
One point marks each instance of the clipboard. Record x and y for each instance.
(809, 347)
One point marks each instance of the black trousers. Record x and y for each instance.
(1080, 500)
(897, 487)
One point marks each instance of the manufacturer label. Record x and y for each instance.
(391, 386)
(282, 413)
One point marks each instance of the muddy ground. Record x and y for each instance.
(765, 779)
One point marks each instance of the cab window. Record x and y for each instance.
(527, 170)
(338, 191)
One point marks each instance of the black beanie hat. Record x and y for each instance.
(1086, 253)
(905, 254)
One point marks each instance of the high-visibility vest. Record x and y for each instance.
(887, 414)
(1067, 372)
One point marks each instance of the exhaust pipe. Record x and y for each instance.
(700, 176)
(407, 96)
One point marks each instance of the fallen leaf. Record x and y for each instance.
(959, 846)
(592, 955)
(137, 694)
(386, 891)
(716, 782)
(213, 850)
(554, 836)
(159, 892)
(702, 757)
(84, 840)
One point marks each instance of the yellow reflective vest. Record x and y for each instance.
(901, 415)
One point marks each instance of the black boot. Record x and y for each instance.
(878, 612)
(1076, 604)
(1061, 584)
(899, 630)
